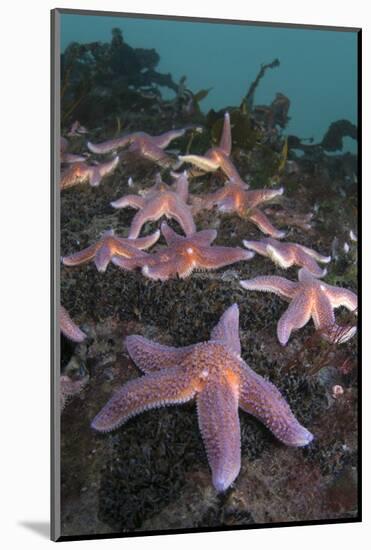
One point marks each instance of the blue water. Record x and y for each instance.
(318, 69)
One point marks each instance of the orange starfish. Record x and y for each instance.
(288, 254)
(218, 156)
(185, 254)
(81, 172)
(160, 200)
(310, 297)
(213, 373)
(109, 245)
(235, 197)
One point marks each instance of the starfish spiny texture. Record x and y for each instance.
(235, 197)
(217, 157)
(288, 254)
(109, 245)
(309, 297)
(214, 373)
(145, 145)
(160, 200)
(185, 254)
(69, 328)
(81, 172)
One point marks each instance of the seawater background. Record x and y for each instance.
(318, 68)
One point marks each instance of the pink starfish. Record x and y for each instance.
(213, 373)
(185, 254)
(217, 157)
(235, 197)
(288, 254)
(160, 200)
(109, 245)
(310, 297)
(69, 387)
(68, 157)
(69, 328)
(147, 146)
(81, 172)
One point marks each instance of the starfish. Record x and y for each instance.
(213, 373)
(308, 298)
(161, 199)
(217, 157)
(235, 197)
(109, 246)
(287, 254)
(69, 327)
(77, 129)
(147, 146)
(81, 172)
(186, 254)
(69, 387)
(68, 157)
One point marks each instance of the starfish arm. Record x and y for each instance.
(151, 151)
(256, 216)
(97, 173)
(296, 316)
(210, 200)
(136, 260)
(142, 243)
(324, 320)
(110, 145)
(229, 169)
(204, 163)
(262, 195)
(181, 212)
(165, 139)
(227, 329)
(171, 236)
(151, 211)
(150, 356)
(69, 327)
(220, 256)
(69, 158)
(341, 297)
(103, 257)
(303, 259)
(182, 185)
(135, 201)
(262, 399)
(271, 283)
(323, 313)
(217, 410)
(226, 138)
(158, 389)
(318, 257)
(257, 246)
(204, 237)
(166, 269)
(81, 257)
(282, 255)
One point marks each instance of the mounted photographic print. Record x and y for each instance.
(205, 274)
